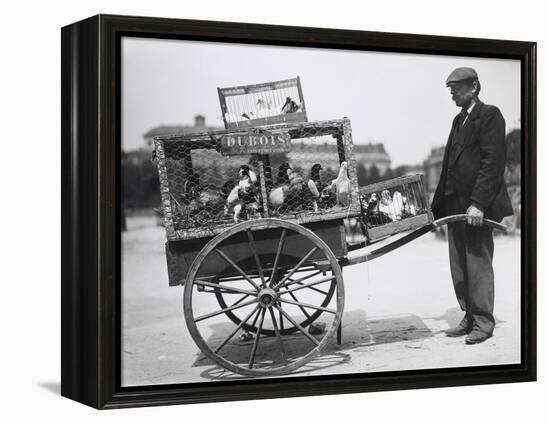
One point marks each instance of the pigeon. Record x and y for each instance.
(263, 108)
(341, 186)
(290, 106)
(387, 206)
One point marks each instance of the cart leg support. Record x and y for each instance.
(339, 334)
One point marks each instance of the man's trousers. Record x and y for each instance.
(471, 259)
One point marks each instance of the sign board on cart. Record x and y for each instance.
(261, 143)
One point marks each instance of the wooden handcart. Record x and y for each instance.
(257, 282)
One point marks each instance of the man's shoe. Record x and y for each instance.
(457, 331)
(476, 337)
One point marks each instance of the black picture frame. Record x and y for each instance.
(90, 175)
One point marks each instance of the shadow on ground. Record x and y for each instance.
(453, 316)
(357, 332)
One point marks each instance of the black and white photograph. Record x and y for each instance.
(275, 212)
(297, 212)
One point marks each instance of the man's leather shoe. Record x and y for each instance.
(457, 331)
(476, 337)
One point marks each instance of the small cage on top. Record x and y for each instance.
(267, 103)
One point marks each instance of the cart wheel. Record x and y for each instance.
(271, 292)
(310, 317)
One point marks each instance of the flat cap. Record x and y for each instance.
(461, 74)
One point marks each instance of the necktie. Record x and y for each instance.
(461, 117)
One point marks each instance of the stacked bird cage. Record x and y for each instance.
(393, 206)
(268, 103)
(268, 162)
(303, 172)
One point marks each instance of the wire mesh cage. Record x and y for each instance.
(392, 206)
(301, 172)
(267, 103)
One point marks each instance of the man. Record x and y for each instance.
(472, 182)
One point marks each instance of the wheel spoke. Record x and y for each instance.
(240, 300)
(224, 310)
(281, 347)
(243, 322)
(225, 288)
(307, 285)
(278, 255)
(255, 319)
(298, 326)
(239, 270)
(307, 305)
(298, 265)
(308, 316)
(256, 258)
(298, 280)
(256, 340)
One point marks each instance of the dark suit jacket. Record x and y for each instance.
(476, 163)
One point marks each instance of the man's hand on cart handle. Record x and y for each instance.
(474, 216)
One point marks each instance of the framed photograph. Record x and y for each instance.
(254, 211)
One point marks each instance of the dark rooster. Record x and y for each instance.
(199, 202)
(291, 193)
(279, 192)
(315, 185)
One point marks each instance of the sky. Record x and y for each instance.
(396, 99)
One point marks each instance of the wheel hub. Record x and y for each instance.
(267, 297)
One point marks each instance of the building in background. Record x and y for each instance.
(198, 126)
(432, 168)
(372, 154)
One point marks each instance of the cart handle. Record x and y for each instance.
(463, 217)
(376, 253)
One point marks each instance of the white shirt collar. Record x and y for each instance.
(471, 107)
(469, 111)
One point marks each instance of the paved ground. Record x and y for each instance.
(395, 312)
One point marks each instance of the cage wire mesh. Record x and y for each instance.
(209, 191)
(395, 205)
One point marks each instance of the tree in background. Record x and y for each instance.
(374, 174)
(362, 175)
(512, 174)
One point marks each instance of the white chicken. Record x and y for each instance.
(244, 194)
(341, 186)
(393, 206)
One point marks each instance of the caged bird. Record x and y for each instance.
(373, 213)
(197, 199)
(296, 195)
(279, 192)
(315, 185)
(243, 199)
(291, 193)
(391, 206)
(263, 108)
(290, 106)
(341, 186)
(409, 209)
